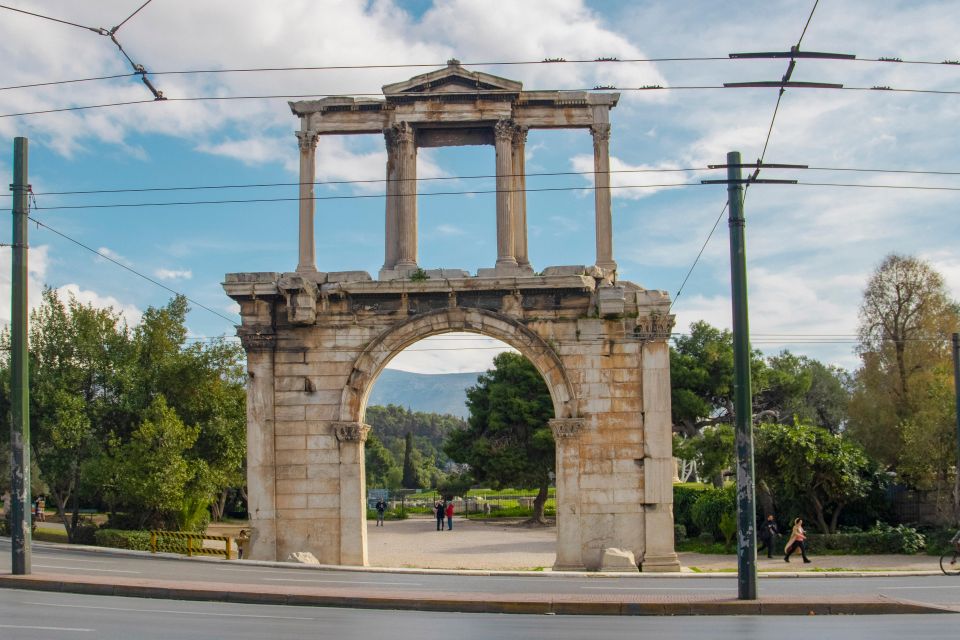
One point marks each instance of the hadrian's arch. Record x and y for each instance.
(316, 340)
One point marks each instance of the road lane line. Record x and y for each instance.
(939, 587)
(16, 626)
(657, 588)
(399, 584)
(55, 566)
(175, 611)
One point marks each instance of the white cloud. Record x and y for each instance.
(128, 312)
(113, 255)
(449, 353)
(173, 274)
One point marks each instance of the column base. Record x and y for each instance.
(501, 271)
(607, 266)
(568, 567)
(669, 563)
(306, 268)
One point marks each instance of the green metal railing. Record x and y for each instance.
(191, 544)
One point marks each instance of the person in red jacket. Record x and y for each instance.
(450, 516)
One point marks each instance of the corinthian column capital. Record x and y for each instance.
(402, 132)
(601, 132)
(307, 140)
(520, 135)
(504, 130)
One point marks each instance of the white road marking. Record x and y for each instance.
(656, 589)
(56, 566)
(952, 586)
(15, 626)
(56, 557)
(400, 584)
(175, 611)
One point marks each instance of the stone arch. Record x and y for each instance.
(390, 343)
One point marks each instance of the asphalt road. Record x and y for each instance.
(28, 615)
(939, 590)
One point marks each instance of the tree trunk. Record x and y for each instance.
(219, 506)
(835, 518)
(75, 516)
(539, 503)
(818, 511)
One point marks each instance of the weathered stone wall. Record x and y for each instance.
(317, 342)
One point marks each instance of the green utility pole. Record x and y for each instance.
(19, 375)
(742, 393)
(956, 387)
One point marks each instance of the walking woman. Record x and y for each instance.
(798, 540)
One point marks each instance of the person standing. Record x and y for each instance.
(438, 510)
(769, 535)
(449, 512)
(798, 540)
(381, 506)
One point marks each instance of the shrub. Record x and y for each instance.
(684, 496)
(121, 539)
(882, 538)
(679, 533)
(85, 534)
(710, 507)
(389, 514)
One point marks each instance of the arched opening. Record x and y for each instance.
(481, 542)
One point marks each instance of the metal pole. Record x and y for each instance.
(956, 387)
(742, 396)
(19, 379)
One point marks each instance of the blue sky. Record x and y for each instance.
(810, 249)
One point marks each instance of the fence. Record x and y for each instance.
(193, 544)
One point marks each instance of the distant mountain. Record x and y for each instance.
(431, 393)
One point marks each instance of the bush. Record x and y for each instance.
(389, 514)
(679, 533)
(684, 496)
(709, 509)
(882, 538)
(85, 534)
(121, 539)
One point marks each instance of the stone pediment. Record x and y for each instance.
(451, 79)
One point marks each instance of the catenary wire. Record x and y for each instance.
(128, 205)
(878, 89)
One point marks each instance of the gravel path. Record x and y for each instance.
(473, 544)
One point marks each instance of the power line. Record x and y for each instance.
(127, 19)
(363, 196)
(700, 253)
(463, 177)
(130, 269)
(130, 205)
(463, 94)
(97, 30)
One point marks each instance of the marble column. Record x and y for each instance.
(566, 433)
(503, 139)
(406, 189)
(353, 503)
(520, 197)
(307, 262)
(261, 454)
(601, 178)
(391, 230)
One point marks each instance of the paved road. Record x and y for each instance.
(47, 559)
(28, 615)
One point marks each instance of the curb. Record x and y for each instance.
(530, 605)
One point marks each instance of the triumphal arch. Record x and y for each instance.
(316, 340)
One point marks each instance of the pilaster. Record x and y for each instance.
(261, 453)
(391, 213)
(566, 433)
(353, 509)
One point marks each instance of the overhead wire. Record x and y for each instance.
(128, 268)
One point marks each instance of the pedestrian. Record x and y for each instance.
(438, 510)
(449, 512)
(798, 540)
(380, 507)
(769, 535)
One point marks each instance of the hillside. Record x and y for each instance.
(429, 393)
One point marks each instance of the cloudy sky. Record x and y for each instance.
(810, 248)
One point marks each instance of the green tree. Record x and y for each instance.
(905, 322)
(379, 462)
(411, 477)
(811, 467)
(508, 441)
